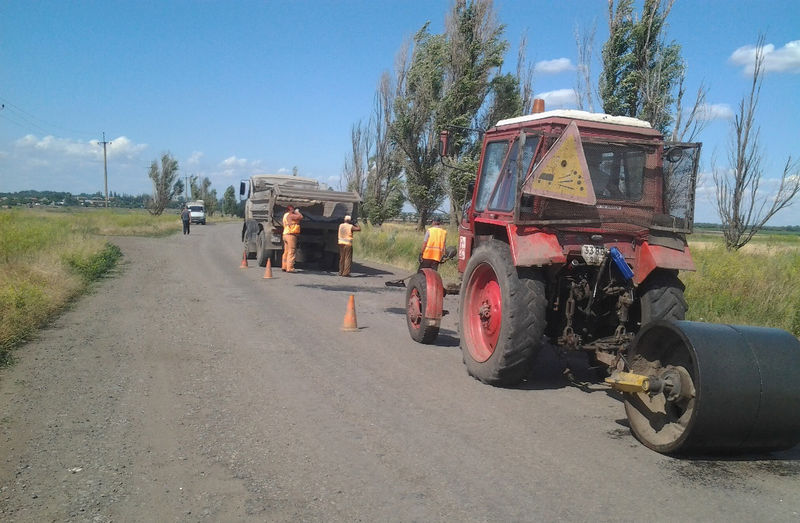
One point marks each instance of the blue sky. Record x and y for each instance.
(235, 88)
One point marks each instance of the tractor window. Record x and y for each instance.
(617, 171)
(493, 158)
(506, 191)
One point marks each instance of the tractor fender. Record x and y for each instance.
(534, 248)
(434, 291)
(651, 257)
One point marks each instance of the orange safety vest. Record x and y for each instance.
(346, 234)
(290, 228)
(434, 249)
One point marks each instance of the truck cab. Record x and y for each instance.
(197, 212)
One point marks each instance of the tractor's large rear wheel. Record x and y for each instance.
(661, 297)
(502, 315)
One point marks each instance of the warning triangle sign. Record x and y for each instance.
(563, 174)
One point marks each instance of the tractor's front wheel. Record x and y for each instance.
(502, 315)
(420, 328)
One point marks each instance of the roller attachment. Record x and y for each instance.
(708, 388)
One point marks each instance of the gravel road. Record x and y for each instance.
(187, 389)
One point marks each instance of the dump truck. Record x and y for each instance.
(268, 196)
(572, 237)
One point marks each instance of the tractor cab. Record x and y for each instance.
(579, 178)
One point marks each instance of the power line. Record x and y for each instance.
(23, 118)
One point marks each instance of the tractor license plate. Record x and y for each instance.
(592, 254)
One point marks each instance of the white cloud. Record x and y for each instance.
(123, 147)
(194, 159)
(559, 98)
(709, 112)
(65, 148)
(53, 163)
(233, 167)
(559, 65)
(783, 60)
(284, 170)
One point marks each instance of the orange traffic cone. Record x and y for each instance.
(349, 324)
(244, 260)
(268, 270)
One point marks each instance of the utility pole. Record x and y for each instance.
(105, 164)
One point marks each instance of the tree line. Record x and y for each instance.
(454, 80)
(168, 186)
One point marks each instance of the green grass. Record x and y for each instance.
(400, 245)
(50, 256)
(756, 287)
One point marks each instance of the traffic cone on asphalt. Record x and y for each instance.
(244, 260)
(268, 270)
(349, 324)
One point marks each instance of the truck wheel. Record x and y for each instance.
(502, 315)
(261, 251)
(662, 298)
(277, 257)
(416, 303)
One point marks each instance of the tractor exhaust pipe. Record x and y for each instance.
(538, 106)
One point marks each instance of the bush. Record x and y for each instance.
(92, 266)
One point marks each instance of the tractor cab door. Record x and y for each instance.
(680, 162)
(505, 163)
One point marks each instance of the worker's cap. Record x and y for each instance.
(436, 221)
(290, 207)
(348, 218)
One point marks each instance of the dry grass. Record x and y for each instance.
(50, 256)
(758, 285)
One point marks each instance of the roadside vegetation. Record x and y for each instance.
(758, 285)
(48, 257)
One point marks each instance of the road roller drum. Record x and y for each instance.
(712, 388)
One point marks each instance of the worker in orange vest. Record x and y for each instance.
(346, 245)
(433, 246)
(291, 229)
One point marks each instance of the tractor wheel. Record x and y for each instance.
(502, 315)
(416, 303)
(261, 251)
(662, 298)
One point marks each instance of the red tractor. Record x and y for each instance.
(573, 236)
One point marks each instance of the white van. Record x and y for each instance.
(197, 212)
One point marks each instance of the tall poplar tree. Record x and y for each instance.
(640, 69)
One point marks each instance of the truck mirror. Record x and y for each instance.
(674, 154)
(470, 189)
(242, 188)
(444, 138)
